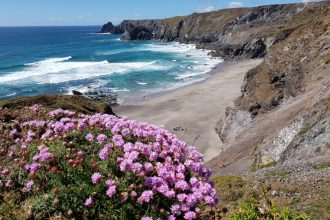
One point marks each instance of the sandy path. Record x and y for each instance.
(195, 108)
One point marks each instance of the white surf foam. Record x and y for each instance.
(111, 52)
(11, 94)
(57, 70)
(188, 75)
(199, 59)
(106, 40)
(119, 90)
(141, 83)
(169, 48)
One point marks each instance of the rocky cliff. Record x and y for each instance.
(287, 96)
(282, 115)
(230, 33)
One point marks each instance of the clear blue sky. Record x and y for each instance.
(97, 12)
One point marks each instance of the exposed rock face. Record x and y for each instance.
(110, 28)
(230, 33)
(289, 63)
(234, 123)
(138, 33)
(288, 96)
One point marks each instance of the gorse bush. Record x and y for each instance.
(102, 166)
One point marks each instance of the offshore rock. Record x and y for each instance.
(111, 29)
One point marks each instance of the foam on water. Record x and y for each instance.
(58, 70)
(119, 90)
(169, 48)
(9, 95)
(112, 52)
(141, 83)
(106, 40)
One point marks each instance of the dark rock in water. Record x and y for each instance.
(138, 33)
(75, 92)
(92, 93)
(101, 96)
(110, 28)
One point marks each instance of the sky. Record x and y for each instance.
(98, 12)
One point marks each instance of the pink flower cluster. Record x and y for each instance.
(35, 107)
(170, 170)
(61, 112)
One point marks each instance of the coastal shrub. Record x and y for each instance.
(253, 210)
(102, 167)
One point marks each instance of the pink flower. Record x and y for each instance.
(171, 217)
(183, 185)
(190, 215)
(5, 172)
(118, 140)
(89, 203)
(104, 153)
(101, 138)
(29, 185)
(146, 196)
(96, 178)
(13, 133)
(89, 137)
(110, 182)
(111, 191)
(133, 194)
(32, 167)
(146, 218)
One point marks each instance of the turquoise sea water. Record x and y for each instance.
(37, 60)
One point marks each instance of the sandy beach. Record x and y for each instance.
(194, 109)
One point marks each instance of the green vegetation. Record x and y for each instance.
(303, 131)
(253, 210)
(229, 188)
(322, 166)
(257, 166)
(328, 107)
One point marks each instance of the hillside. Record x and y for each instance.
(278, 132)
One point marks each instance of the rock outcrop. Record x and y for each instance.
(110, 28)
(137, 33)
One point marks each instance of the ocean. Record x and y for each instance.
(58, 60)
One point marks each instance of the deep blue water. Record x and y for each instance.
(36, 60)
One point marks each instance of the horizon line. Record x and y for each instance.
(82, 25)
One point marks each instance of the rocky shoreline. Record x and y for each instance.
(99, 96)
(232, 34)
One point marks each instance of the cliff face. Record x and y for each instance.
(230, 33)
(288, 97)
(282, 115)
